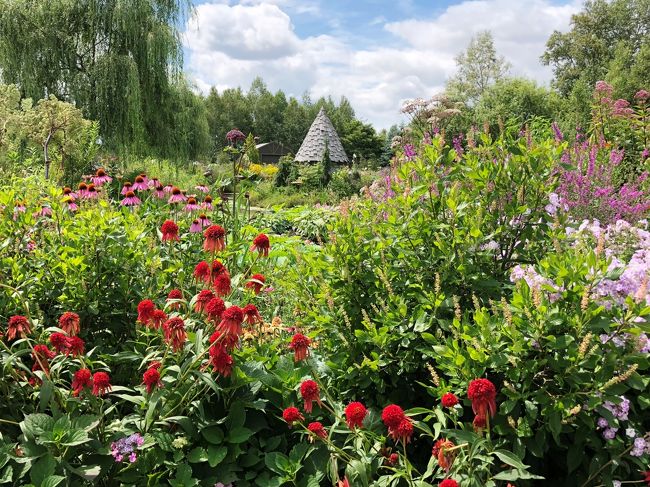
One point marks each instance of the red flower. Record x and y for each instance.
(151, 379)
(220, 359)
(228, 341)
(403, 431)
(317, 429)
(392, 416)
(175, 294)
(291, 415)
(479, 422)
(310, 392)
(101, 383)
(60, 342)
(202, 271)
(256, 283)
(647, 476)
(82, 378)
(392, 459)
(169, 231)
(76, 346)
(222, 284)
(18, 326)
(448, 483)
(343, 483)
(443, 455)
(146, 308)
(155, 365)
(43, 353)
(355, 412)
(252, 315)
(482, 393)
(214, 238)
(69, 323)
(215, 309)
(174, 331)
(217, 268)
(449, 400)
(202, 300)
(157, 319)
(300, 346)
(262, 244)
(231, 321)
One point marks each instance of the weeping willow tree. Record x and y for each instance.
(118, 60)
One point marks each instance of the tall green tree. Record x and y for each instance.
(479, 67)
(117, 60)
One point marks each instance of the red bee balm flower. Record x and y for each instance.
(256, 283)
(60, 342)
(220, 359)
(262, 244)
(146, 308)
(82, 378)
(231, 321)
(449, 400)
(443, 455)
(214, 238)
(69, 323)
(151, 379)
(174, 331)
(252, 315)
(448, 483)
(403, 432)
(482, 393)
(392, 416)
(18, 326)
(310, 393)
(215, 309)
(317, 429)
(202, 271)
(291, 415)
(300, 346)
(355, 412)
(202, 300)
(101, 383)
(169, 231)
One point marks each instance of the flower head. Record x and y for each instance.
(479, 422)
(202, 271)
(169, 231)
(448, 483)
(146, 308)
(220, 359)
(151, 379)
(355, 413)
(202, 300)
(231, 321)
(317, 430)
(215, 309)
(392, 416)
(158, 318)
(177, 196)
(449, 400)
(175, 295)
(76, 346)
(60, 342)
(214, 238)
(291, 415)
(69, 323)
(222, 284)
(82, 378)
(130, 199)
(442, 454)
(101, 177)
(19, 326)
(252, 315)
(234, 136)
(300, 346)
(101, 383)
(262, 244)
(174, 331)
(310, 392)
(482, 393)
(256, 283)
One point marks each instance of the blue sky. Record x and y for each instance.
(375, 52)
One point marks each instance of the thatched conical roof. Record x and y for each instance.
(321, 135)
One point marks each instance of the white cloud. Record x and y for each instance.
(229, 45)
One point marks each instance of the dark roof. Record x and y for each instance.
(321, 134)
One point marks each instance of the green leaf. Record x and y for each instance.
(6, 475)
(216, 454)
(509, 459)
(36, 424)
(52, 481)
(239, 435)
(277, 462)
(197, 455)
(212, 434)
(75, 437)
(43, 468)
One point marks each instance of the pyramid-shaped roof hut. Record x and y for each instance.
(321, 135)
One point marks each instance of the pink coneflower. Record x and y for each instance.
(68, 192)
(159, 191)
(153, 182)
(92, 192)
(177, 196)
(168, 188)
(44, 211)
(207, 202)
(202, 188)
(191, 205)
(130, 200)
(101, 177)
(70, 204)
(196, 227)
(126, 188)
(205, 221)
(81, 190)
(140, 184)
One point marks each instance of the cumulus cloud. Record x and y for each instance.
(229, 45)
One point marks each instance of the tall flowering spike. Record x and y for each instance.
(60, 342)
(220, 359)
(256, 283)
(76, 347)
(317, 430)
(252, 315)
(101, 383)
(82, 379)
(202, 271)
(262, 244)
(355, 413)
(202, 300)
(222, 284)
(441, 451)
(310, 392)
(449, 400)
(174, 332)
(18, 326)
(292, 415)
(231, 321)
(215, 309)
(69, 323)
(169, 231)
(482, 393)
(300, 346)
(158, 318)
(215, 236)
(151, 379)
(146, 308)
